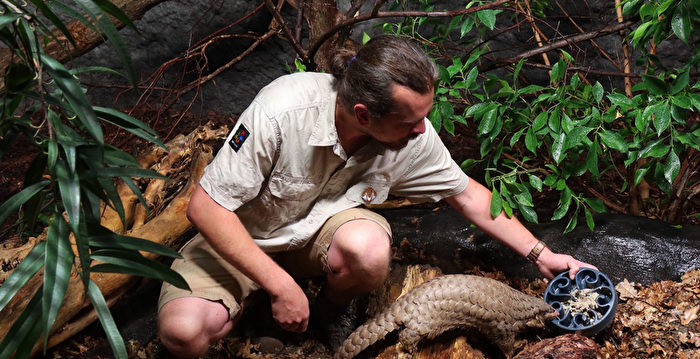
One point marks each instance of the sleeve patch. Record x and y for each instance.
(239, 137)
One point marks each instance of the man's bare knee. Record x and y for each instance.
(188, 326)
(359, 255)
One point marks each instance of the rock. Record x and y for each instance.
(639, 249)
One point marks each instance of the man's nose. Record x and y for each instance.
(419, 128)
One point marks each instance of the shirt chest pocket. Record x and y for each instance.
(294, 189)
(370, 190)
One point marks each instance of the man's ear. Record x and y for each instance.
(361, 114)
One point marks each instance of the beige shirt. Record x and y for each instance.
(285, 172)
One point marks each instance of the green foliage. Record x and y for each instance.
(72, 172)
(558, 136)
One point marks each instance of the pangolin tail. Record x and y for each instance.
(367, 334)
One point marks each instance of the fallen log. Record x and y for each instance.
(184, 165)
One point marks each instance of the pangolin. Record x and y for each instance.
(448, 302)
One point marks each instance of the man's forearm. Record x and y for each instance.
(227, 235)
(474, 204)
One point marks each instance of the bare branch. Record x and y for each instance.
(383, 14)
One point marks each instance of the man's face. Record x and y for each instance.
(405, 122)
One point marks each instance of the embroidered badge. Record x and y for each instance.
(239, 137)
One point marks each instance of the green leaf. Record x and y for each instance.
(540, 121)
(471, 77)
(558, 150)
(22, 274)
(516, 136)
(46, 11)
(680, 23)
(517, 69)
(613, 140)
(598, 92)
(619, 99)
(75, 96)
(487, 17)
(131, 262)
(496, 203)
(528, 213)
(662, 118)
(589, 218)
(467, 25)
(596, 204)
(477, 110)
(680, 82)
(592, 158)
(558, 71)
(123, 172)
(531, 140)
(535, 182)
(112, 9)
(639, 175)
(673, 165)
(110, 327)
(8, 18)
(58, 262)
(576, 137)
(572, 223)
(105, 24)
(69, 187)
(653, 84)
(128, 123)
(488, 121)
(12, 204)
(24, 332)
(564, 203)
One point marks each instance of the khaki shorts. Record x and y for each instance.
(212, 278)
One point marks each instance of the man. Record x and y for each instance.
(280, 199)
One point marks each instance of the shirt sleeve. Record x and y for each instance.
(431, 172)
(238, 171)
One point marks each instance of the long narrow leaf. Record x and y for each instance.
(73, 14)
(129, 123)
(110, 31)
(131, 262)
(115, 201)
(80, 70)
(46, 11)
(22, 274)
(135, 189)
(122, 171)
(20, 198)
(8, 18)
(115, 11)
(117, 241)
(25, 331)
(110, 327)
(58, 262)
(69, 187)
(76, 97)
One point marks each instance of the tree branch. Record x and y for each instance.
(383, 14)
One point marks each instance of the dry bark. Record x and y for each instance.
(184, 164)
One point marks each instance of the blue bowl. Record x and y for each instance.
(586, 305)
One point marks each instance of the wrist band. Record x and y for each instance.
(535, 252)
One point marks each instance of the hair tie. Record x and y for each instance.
(351, 60)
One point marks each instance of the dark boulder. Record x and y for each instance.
(639, 249)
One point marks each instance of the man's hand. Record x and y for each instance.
(290, 308)
(551, 264)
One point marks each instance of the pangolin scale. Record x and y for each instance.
(448, 302)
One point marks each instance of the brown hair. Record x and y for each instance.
(366, 76)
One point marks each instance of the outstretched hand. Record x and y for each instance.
(551, 264)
